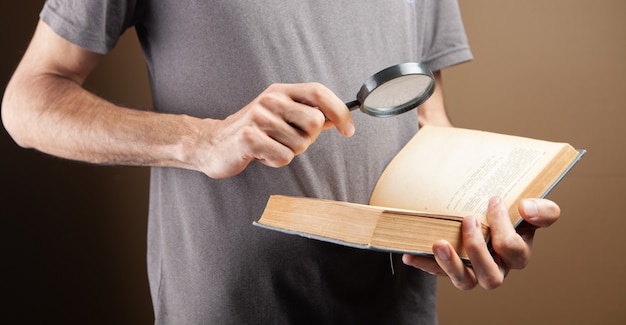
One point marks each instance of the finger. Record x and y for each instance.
(539, 212)
(424, 263)
(303, 118)
(527, 232)
(300, 128)
(489, 273)
(251, 144)
(335, 110)
(292, 124)
(461, 276)
(260, 147)
(506, 242)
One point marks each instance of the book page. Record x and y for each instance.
(456, 171)
(322, 219)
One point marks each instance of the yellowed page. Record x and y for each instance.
(455, 171)
(341, 221)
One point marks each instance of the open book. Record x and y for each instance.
(440, 176)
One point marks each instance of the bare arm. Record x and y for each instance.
(433, 111)
(46, 108)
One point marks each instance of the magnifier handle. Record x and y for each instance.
(353, 105)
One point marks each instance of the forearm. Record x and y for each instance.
(55, 115)
(45, 107)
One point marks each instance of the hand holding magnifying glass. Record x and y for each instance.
(395, 90)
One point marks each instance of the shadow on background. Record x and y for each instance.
(73, 234)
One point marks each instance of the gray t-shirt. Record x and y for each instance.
(207, 264)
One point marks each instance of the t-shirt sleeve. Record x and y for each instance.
(446, 45)
(94, 25)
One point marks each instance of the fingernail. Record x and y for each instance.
(349, 130)
(530, 208)
(442, 252)
(494, 201)
(469, 225)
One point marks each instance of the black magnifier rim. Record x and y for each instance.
(388, 74)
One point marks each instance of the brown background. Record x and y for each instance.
(73, 235)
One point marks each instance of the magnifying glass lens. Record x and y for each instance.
(398, 95)
(395, 90)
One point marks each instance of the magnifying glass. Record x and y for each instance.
(395, 90)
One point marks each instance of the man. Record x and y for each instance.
(245, 94)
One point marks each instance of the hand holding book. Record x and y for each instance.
(433, 199)
(511, 246)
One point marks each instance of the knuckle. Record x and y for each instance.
(520, 261)
(275, 87)
(493, 277)
(286, 159)
(249, 137)
(304, 146)
(299, 148)
(318, 91)
(248, 134)
(280, 160)
(269, 99)
(490, 285)
(315, 121)
(506, 244)
(464, 285)
(514, 251)
(492, 282)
